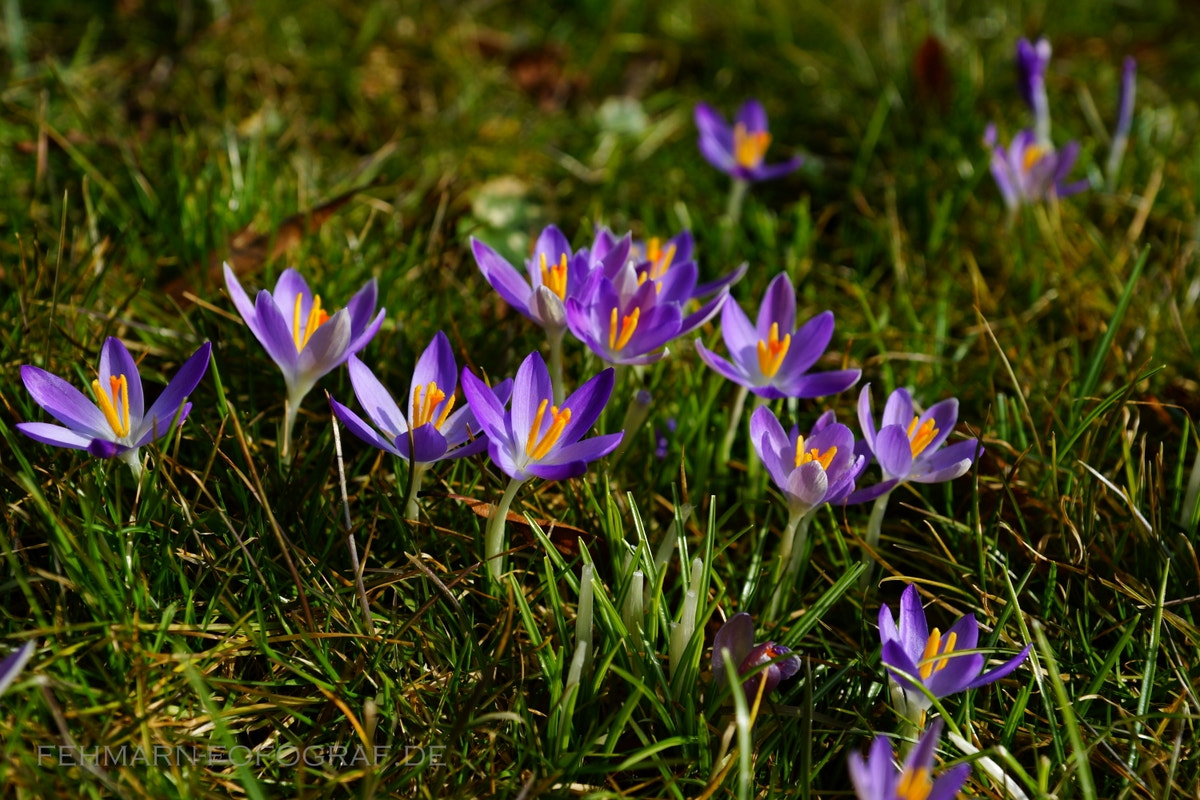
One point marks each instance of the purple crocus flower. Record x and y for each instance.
(313, 342)
(810, 471)
(433, 429)
(117, 424)
(736, 637)
(1032, 60)
(656, 260)
(537, 438)
(941, 665)
(556, 272)
(739, 150)
(1028, 172)
(876, 778)
(1124, 120)
(908, 447)
(772, 357)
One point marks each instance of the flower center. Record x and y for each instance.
(749, 148)
(920, 437)
(1033, 154)
(537, 448)
(423, 408)
(915, 784)
(315, 319)
(555, 278)
(772, 351)
(813, 454)
(930, 662)
(629, 322)
(115, 405)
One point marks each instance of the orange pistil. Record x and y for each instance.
(813, 454)
(930, 663)
(629, 322)
(423, 409)
(919, 438)
(772, 351)
(116, 405)
(537, 448)
(555, 278)
(315, 319)
(749, 148)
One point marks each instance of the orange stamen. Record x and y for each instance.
(555, 278)
(772, 351)
(813, 454)
(423, 409)
(538, 448)
(629, 323)
(749, 148)
(919, 438)
(914, 784)
(115, 406)
(316, 318)
(930, 663)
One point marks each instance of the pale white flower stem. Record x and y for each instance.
(874, 529)
(416, 472)
(735, 421)
(493, 541)
(791, 558)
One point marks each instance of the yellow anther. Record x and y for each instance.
(920, 437)
(914, 784)
(629, 322)
(115, 405)
(315, 319)
(930, 663)
(772, 351)
(424, 408)
(749, 148)
(660, 262)
(804, 456)
(537, 448)
(1033, 154)
(555, 278)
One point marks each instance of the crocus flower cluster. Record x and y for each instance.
(433, 429)
(117, 424)
(926, 665)
(736, 637)
(876, 777)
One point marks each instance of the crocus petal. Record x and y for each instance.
(115, 360)
(753, 116)
(56, 435)
(65, 403)
(585, 450)
(502, 276)
(241, 301)
(376, 400)
(874, 777)
(944, 415)
(719, 365)
(427, 444)
(737, 637)
(949, 783)
(362, 306)
(552, 244)
(806, 487)
(778, 306)
(716, 138)
(809, 343)
(893, 451)
(720, 283)
(767, 172)
(898, 410)
(946, 464)
(1000, 671)
(488, 410)
(870, 493)
(899, 664)
(866, 417)
(820, 384)
(274, 333)
(530, 388)
(556, 472)
(158, 419)
(13, 663)
(436, 365)
(362, 430)
(327, 348)
(102, 448)
(914, 630)
(586, 403)
(288, 287)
